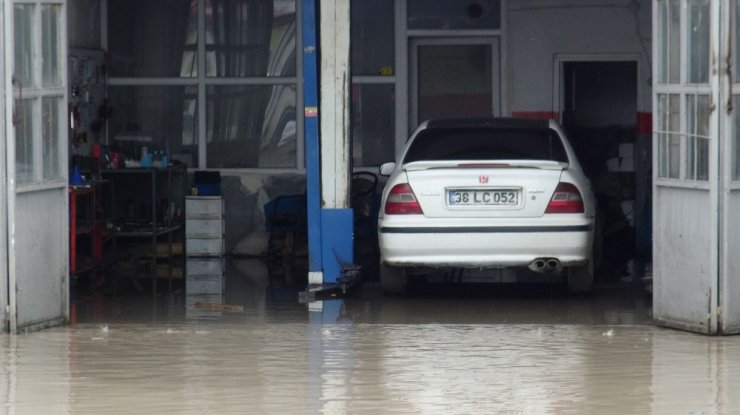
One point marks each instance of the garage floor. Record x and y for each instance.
(441, 350)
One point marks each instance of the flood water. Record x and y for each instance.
(254, 349)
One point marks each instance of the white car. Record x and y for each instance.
(486, 193)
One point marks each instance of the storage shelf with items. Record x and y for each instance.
(148, 209)
(92, 236)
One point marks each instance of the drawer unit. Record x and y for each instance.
(196, 247)
(203, 306)
(199, 267)
(204, 285)
(204, 226)
(204, 206)
(205, 280)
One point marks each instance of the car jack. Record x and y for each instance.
(348, 278)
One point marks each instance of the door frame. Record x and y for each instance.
(642, 164)
(413, 65)
(558, 93)
(6, 101)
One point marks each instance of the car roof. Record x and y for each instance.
(495, 123)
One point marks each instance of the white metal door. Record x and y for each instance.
(35, 160)
(454, 78)
(3, 180)
(730, 174)
(686, 154)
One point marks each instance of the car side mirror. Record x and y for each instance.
(387, 168)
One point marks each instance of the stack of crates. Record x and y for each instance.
(204, 250)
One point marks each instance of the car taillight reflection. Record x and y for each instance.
(565, 199)
(402, 201)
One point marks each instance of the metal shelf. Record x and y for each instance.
(155, 184)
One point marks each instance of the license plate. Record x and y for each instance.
(505, 197)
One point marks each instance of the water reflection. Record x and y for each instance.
(451, 354)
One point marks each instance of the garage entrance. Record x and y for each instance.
(466, 44)
(599, 106)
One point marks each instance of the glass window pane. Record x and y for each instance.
(454, 14)
(151, 38)
(669, 136)
(483, 144)
(455, 81)
(162, 118)
(51, 137)
(698, 39)
(246, 38)
(24, 154)
(372, 37)
(736, 135)
(251, 126)
(50, 47)
(23, 44)
(190, 117)
(736, 28)
(674, 42)
(698, 167)
(373, 124)
(697, 125)
(669, 21)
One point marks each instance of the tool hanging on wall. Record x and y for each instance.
(88, 104)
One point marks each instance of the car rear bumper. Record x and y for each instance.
(497, 246)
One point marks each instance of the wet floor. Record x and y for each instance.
(247, 346)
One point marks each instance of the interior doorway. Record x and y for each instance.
(453, 78)
(599, 103)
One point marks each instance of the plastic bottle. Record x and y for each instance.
(163, 160)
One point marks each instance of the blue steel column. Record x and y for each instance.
(313, 164)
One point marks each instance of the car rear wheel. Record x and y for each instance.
(580, 279)
(392, 279)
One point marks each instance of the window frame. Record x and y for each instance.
(683, 90)
(36, 94)
(202, 81)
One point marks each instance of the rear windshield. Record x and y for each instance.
(437, 144)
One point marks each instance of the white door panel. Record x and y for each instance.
(35, 160)
(683, 280)
(686, 164)
(730, 237)
(4, 25)
(41, 266)
(730, 296)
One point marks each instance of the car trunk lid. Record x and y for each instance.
(479, 189)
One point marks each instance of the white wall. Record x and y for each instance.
(537, 31)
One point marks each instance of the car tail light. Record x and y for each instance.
(565, 199)
(402, 201)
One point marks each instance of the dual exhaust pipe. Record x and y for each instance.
(546, 265)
